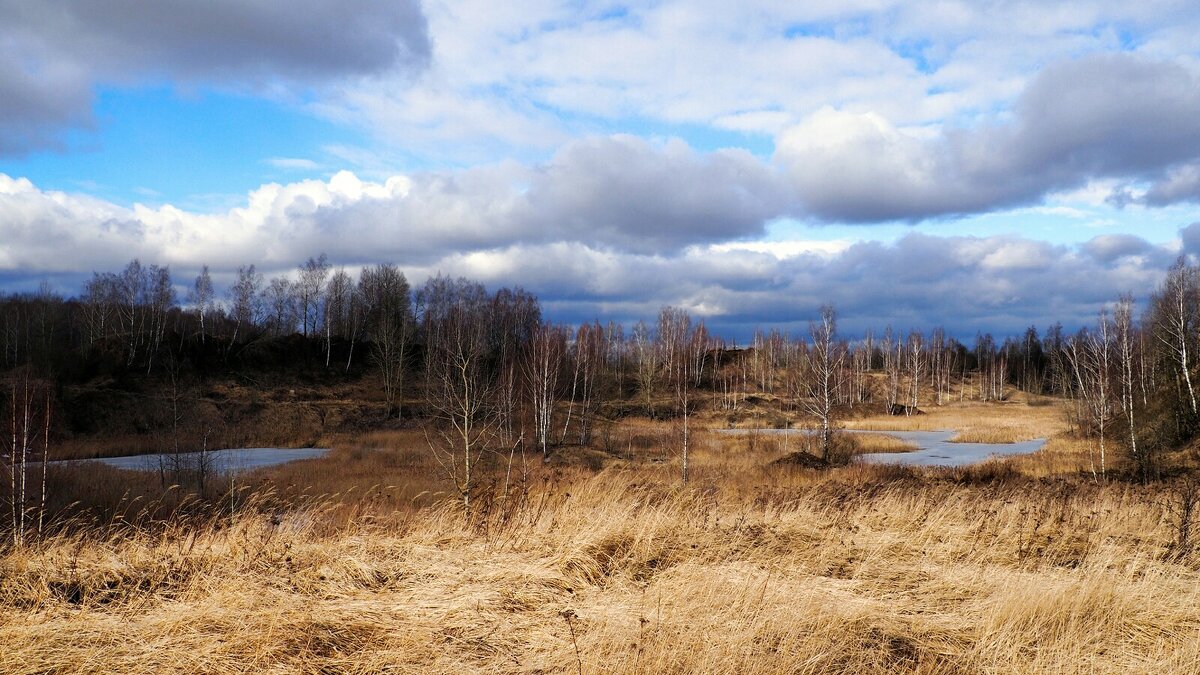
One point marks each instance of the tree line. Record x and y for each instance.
(485, 372)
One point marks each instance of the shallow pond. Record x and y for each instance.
(935, 448)
(220, 461)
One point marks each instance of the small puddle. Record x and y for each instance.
(934, 447)
(230, 460)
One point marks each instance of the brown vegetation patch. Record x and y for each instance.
(872, 570)
(802, 459)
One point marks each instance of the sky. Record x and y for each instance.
(979, 166)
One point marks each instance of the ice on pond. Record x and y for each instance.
(218, 461)
(934, 447)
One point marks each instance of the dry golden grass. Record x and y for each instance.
(871, 443)
(802, 440)
(1062, 454)
(753, 568)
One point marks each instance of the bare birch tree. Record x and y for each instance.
(591, 357)
(543, 368)
(1126, 343)
(244, 300)
(1090, 355)
(893, 348)
(280, 298)
(916, 368)
(28, 427)
(678, 343)
(458, 383)
(645, 363)
(390, 326)
(162, 299)
(340, 313)
(1176, 327)
(514, 315)
(823, 376)
(308, 289)
(131, 288)
(201, 296)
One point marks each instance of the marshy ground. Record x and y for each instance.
(602, 561)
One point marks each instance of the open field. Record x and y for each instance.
(753, 567)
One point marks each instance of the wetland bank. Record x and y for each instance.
(584, 508)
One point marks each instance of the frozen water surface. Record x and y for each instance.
(220, 461)
(934, 447)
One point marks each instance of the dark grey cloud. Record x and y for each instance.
(1181, 185)
(996, 284)
(1109, 247)
(219, 38)
(39, 95)
(55, 51)
(1190, 236)
(966, 284)
(623, 192)
(1110, 116)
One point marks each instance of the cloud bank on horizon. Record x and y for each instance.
(914, 163)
